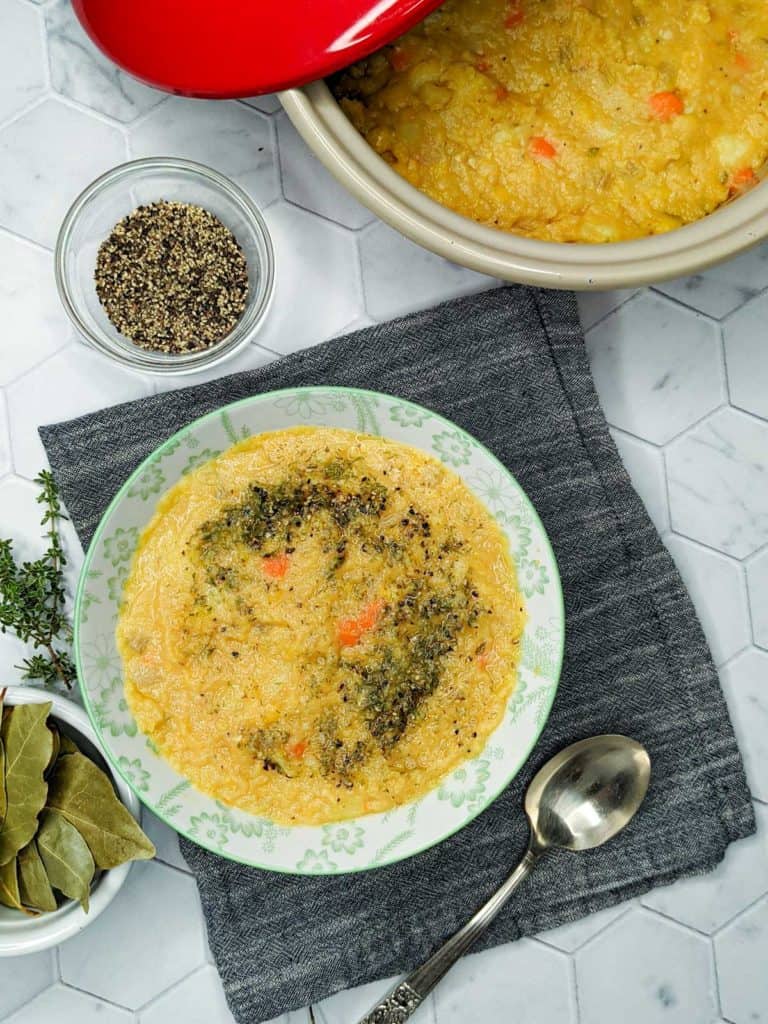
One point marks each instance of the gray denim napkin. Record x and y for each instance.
(510, 367)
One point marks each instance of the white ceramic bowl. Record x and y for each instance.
(330, 135)
(19, 933)
(374, 839)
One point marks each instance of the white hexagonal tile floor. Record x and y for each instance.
(711, 470)
(740, 954)
(32, 311)
(717, 586)
(757, 580)
(22, 58)
(745, 682)
(746, 356)
(647, 970)
(43, 171)
(724, 288)
(232, 137)
(161, 947)
(82, 73)
(690, 418)
(668, 363)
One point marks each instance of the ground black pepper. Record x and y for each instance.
(172, 278)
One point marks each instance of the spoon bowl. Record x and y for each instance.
(587, 793)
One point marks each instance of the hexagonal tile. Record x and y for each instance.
(32, 313)
(70, 383)
(165, 839)
(645, 466)
(5, 439)
(353, 1004)
(316, 280)
(709, 901)
(746, 354)
(43, 170)
(82, 72)
(745, 684)
(267, 104)
(308, 184)
(656, 367)
(718, 483)
(198, 999)
(757, 580)
(595, 306)
(400, 277)
(530, 982)
(740, 955)
(721, 289)
(63, 1005)
(22, 978)
(716, 586)
(248, 358)
(161, 945)
(228, 136)
(569, 937)
(656, 971)
(22, 58)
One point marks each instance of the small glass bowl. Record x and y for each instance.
(107, 200)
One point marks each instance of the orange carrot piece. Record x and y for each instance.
(742, 61)
(665, 105)
(275, 566)
(399, 59)
(483, 659)
(515, 17)
(539, 146)
(350, 631)
(482, 66)
(502, 92)
(741, 180)
(298, 749)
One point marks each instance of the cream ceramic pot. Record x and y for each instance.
(330, 135)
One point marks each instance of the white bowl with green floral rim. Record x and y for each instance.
(373, 840)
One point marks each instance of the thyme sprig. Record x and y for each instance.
(32, 597)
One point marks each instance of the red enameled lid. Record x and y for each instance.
(226, 48)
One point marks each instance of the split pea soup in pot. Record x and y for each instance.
(319, 624)
(572, 120)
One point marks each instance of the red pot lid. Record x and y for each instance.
(226, 48)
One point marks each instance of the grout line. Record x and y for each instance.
(35, 366)
(38, 101)
(25, 240)
(716, 932)
(627, 299)
(96, 995)
(574, 986)
(98, 115)
(43, 28)
(724, 366)
(715, 978)
(169, 988)
(674, 301)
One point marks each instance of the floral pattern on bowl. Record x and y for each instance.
(368, 841)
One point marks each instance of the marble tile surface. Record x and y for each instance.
(82, 73)
(667, 362)
(682, 372)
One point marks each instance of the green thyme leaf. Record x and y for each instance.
(33, 596)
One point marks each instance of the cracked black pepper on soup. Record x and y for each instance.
(172, 277)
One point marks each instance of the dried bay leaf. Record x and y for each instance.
(28, 744)
(56, 737)
(9, 885)
(67, 859)
(34, 884)
(2, 764)
(84, 795)
(68, 745)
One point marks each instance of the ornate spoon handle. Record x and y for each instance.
(401, 1002)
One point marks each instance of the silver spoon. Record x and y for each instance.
(580, 799)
